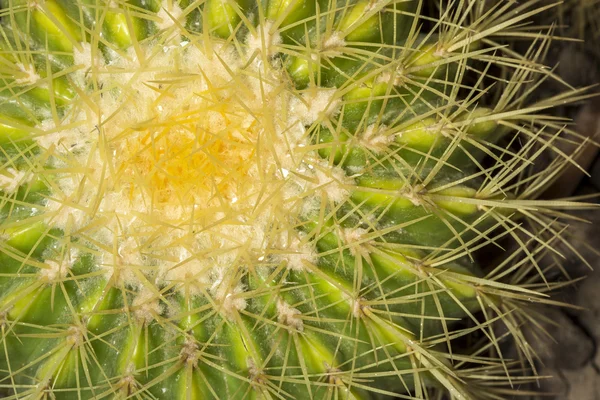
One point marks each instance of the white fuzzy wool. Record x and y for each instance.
(59, 269)
(376, 5)
(169, 14)
(30, 77)
(316, 105)
(299, 253)
(334, 42)
(227, 297)
(11, 179)
(353, 238)
(84, 57)
(332, 182)
(375, 138)
(289, 316)
(146, 305)
(197, 165)
(264, 40)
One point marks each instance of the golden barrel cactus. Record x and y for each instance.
(271, 199)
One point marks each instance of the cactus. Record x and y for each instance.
(271, 200)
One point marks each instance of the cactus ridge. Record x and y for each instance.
(272, 199)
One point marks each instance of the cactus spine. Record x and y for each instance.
(267, 200)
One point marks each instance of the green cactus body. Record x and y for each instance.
(238, 199)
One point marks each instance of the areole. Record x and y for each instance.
(266, 199)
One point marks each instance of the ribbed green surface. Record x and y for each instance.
(370, 317)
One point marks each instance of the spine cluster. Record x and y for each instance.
(274, 199)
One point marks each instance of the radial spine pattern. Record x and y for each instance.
(279, 199)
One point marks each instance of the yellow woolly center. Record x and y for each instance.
(188, 165)
(187, 159)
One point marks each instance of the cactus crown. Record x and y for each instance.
(270, 199)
